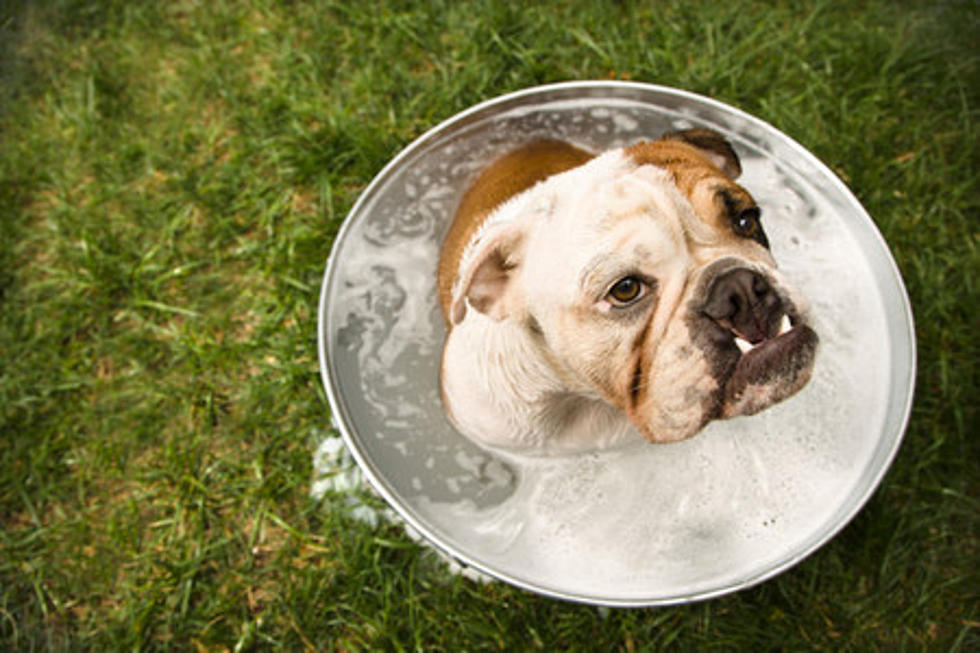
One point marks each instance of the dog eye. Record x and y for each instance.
(747, 222)
(625, 291)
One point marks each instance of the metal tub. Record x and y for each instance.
(644, 524)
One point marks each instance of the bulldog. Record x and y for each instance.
(589, 297)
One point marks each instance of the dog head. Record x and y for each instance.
(645, 276)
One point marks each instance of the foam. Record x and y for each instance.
(637, 521)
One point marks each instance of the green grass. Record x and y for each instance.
(171, 177)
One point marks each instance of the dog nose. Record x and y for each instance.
(743, 301)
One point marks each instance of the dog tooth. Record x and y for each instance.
(744, 345)
(785, 325)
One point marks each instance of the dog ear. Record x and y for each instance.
(485, 282)
(713, 145)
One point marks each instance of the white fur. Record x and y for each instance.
(505, 394)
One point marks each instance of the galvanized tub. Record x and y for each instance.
(643, 524)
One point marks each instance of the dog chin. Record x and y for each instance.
(770, 372)
(728, 379)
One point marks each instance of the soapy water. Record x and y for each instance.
(639, 521)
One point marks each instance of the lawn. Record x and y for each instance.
(172, 175)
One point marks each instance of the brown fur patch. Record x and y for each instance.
(637, 387)
(713, 145)
(712, 193)
(506, 177)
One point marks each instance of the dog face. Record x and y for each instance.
(644, 277)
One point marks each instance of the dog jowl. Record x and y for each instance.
(632, 290)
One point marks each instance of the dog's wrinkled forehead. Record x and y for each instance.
(650, 202)
(610, 189)
(610, 213)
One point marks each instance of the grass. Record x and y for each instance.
(171, 177)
